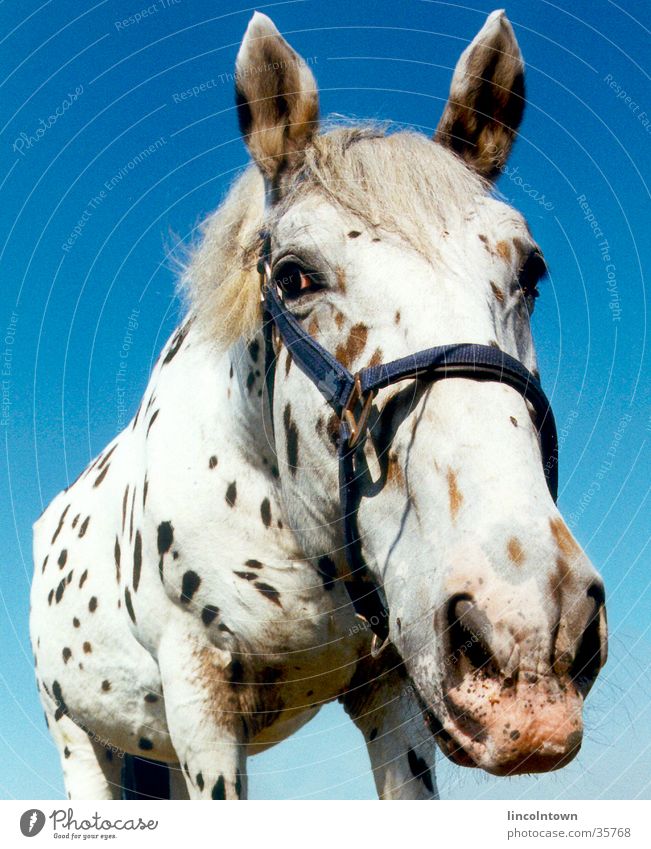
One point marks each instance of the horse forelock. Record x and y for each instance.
(391, 180)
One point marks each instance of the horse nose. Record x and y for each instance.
(469, 636)
(509, 707)
(592, 646)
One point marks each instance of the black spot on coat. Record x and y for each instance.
(219, 789)
(61, 706)
(137, 561)
(328, 571)
(231, 494)
(291, 440)
(59, 591)
(152, 420)
(189, 585)
(116, 555)
(209, 614)
(127, 601)
(419, 769)
(235, 672)
(265, 512)
(165, 537)
(60, 525)
(268, 592)
(101, 475)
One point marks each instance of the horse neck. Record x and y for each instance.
(250, 416)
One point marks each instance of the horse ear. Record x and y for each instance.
(276, 96)
(486, 101)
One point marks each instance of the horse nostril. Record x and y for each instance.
(468, 631)
(591, 652)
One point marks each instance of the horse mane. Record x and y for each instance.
(393, 181)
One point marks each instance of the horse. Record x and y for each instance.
(195, 599)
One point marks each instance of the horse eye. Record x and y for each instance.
(531, 273)
(293, 280)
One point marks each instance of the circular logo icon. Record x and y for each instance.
(31, 822)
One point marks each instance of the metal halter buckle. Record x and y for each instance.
(357, 426)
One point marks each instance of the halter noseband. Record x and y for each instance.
(351, 397)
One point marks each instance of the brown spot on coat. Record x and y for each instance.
(212, 462)
(376, 359)
(341, 280)
(497, 292)
(395, 474)
(504, 250)
(348, 352)
(563, 538)
(454, 495)
(515, 551)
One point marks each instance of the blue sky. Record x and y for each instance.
(65, 312)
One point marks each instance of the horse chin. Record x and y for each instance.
(526, 729)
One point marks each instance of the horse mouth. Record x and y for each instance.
(516, 742)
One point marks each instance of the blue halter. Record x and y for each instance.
(351, 397)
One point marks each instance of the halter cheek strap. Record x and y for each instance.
(351, 397)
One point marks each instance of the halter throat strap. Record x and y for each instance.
(351, 397)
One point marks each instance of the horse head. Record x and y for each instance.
(382, 244)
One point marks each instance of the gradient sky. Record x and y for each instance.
(65, 314)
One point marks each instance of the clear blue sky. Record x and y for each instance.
(65, 314)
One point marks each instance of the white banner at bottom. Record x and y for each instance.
(455, 824)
